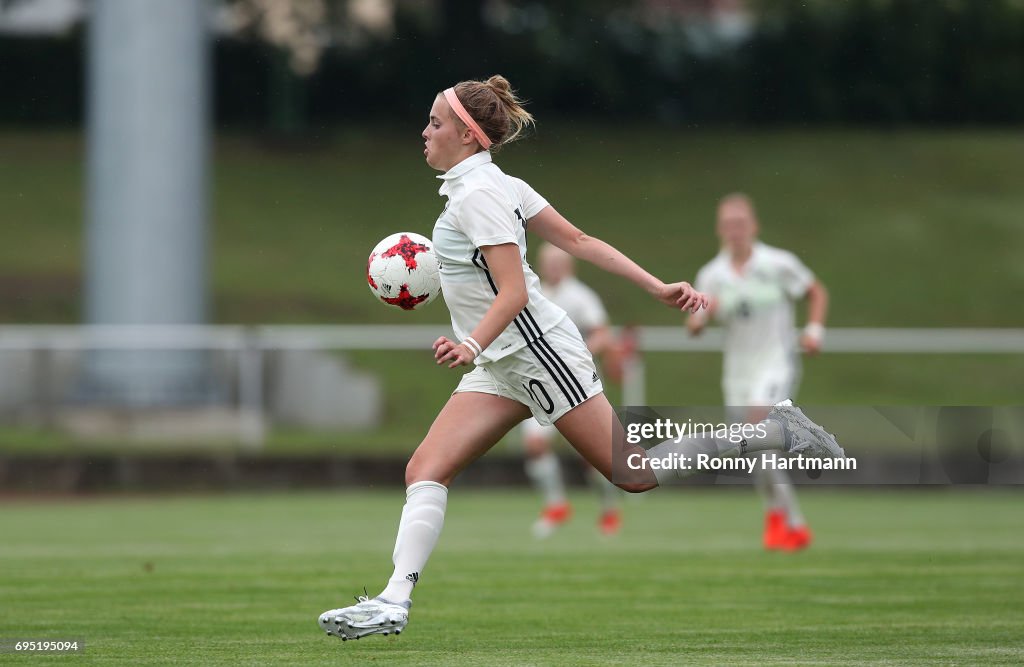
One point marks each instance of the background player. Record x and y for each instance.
(752, 288)
(557, 271)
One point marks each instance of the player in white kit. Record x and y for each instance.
(527, 356)
(752, 289)
(559, 283)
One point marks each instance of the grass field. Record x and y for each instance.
(895, 578)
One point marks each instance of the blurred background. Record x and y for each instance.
(190, 190)
(205, 414)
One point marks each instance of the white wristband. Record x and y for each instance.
(471, 343)
(815, 331)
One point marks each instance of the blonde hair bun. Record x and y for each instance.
(494, 105)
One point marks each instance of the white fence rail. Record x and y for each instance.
(412, 337)
(251, 344)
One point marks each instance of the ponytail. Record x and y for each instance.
(496, 108)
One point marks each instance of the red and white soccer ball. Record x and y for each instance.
(402, 271)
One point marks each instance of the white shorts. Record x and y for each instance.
(551, 376)
(762, 387)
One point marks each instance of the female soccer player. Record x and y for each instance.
(529, 357)
(752, 288)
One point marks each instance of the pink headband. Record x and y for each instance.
(460, 111)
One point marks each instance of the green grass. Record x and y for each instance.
(894, 578)
(907, 229)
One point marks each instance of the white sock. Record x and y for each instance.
(783, 495)
(546, 474)
(608, 493)
(691, 446)
(421, 523)
(764, 484)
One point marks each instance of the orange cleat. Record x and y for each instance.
(775, 530)
(779, 536)
(550, 519)
(610, 522)
(797, 539)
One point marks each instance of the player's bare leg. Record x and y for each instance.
(595, 431)
(468, 425)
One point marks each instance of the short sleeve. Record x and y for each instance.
(794, 276)
(532, 202)
(487, 219)
(591, 311)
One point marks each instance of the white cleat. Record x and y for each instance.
(803, 436)
(371, 616)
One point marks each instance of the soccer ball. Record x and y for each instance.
(402, 271)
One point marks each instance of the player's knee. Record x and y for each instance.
(635, 487)
(417, 470)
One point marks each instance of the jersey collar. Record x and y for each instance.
(472, 162)
(756, 251)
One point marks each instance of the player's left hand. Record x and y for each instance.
(681, 295)
(811, 345)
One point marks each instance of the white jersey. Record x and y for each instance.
(580, 302)
(487, 207)
(756, 308)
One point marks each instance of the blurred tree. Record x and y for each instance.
(886, 61)
(294, 29)
(680, 61)
(463, 32)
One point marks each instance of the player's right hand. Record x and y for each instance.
(442, 346)
(459, 354)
